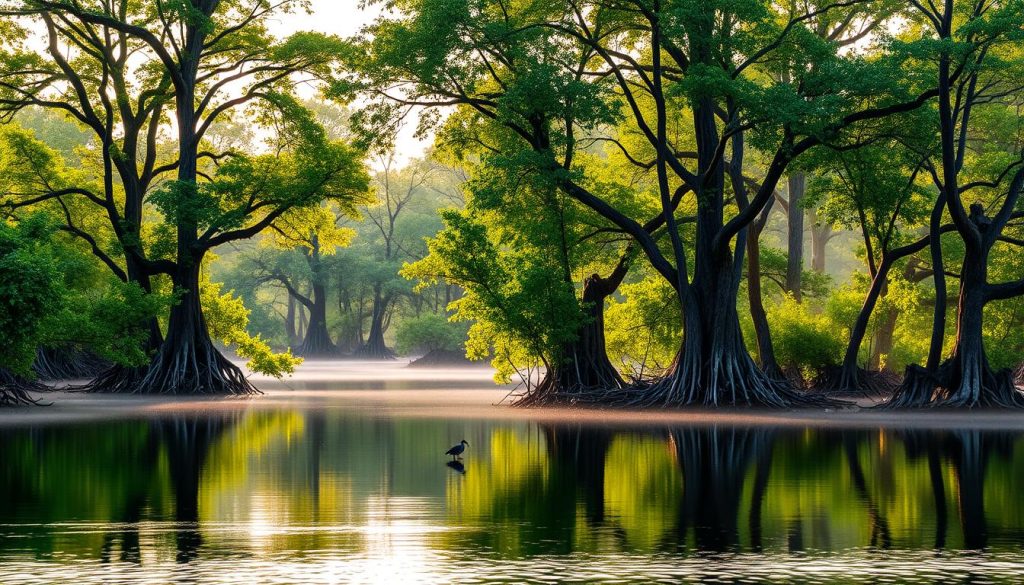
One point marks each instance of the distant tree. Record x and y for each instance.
(314, 233)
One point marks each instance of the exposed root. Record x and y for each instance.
(552, 392)
(67, 364)
(976, 387)
(855, 382)
(14, 390)
(678, 389)
(731, 380)
(116, 379)
(178, 372)
(587, 378)
(374, 352)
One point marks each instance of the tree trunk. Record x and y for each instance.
(188, 362)
(289, 324)
(966, 379)
(317, 342)
(375, 347)
(919, 383)
(765, 348)
(713, 367)
(821, 233)
(583, 370)
(795, 258)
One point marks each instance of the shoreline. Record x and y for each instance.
(483, 403)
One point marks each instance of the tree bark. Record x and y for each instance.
(821, 233)
(583, 365)
(317, 342)
(289, 323)
(188, 362)
(765, 348)
(375, 346)
(795, 231)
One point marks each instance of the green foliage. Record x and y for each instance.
(773, 267)
(28, 290)
(428, 333)
(227, 320)
(643, 327)
(804, 340)
(518, 311)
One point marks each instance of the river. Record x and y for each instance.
(340, 476)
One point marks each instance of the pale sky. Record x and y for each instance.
(345, 18)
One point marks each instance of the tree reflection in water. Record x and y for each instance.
(186, 441)
(268, 482)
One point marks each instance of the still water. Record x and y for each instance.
(309, 494)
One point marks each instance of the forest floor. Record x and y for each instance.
(391, 388)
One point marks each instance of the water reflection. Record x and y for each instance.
(269, 488)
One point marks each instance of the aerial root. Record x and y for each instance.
(205, 372)
(14, 390)
(67, 364)
(977, 387)
(842, 381)
(730, 384)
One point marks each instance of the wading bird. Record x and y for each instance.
(457, 449)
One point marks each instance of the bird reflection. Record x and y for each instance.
(457, 466)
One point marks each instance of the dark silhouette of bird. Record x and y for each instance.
(457, 466)
(457, 450)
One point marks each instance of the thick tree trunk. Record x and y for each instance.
(583, 372)
(966, 379)
(375, 347)
(187, 362)
(795, 231)
(317, 342)
(714, 368)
